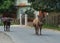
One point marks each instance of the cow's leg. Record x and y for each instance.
(4, 25)
(36, 30)
(40, 29)
(9, 26)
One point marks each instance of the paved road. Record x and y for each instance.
(22, 34)
(4, 38)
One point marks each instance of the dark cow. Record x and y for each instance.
(7, 23)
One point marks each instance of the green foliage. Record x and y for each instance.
(30, 13)
(31, 1)
(48, 26)
(5, 5)
(46, 5)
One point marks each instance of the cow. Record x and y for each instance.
(38, 23)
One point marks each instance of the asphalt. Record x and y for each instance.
(4, 38)
(26, 34)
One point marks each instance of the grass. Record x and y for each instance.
(47, 26)
(51, 27)
(1, 24)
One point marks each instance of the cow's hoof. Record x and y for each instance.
(40, 34)
(37, 34)
(4, 30)
(8, 31)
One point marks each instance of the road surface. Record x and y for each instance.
(4, 38)
(23, 34)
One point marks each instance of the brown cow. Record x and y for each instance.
(38, 23)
